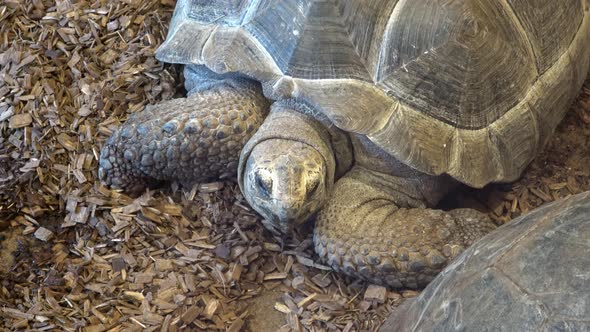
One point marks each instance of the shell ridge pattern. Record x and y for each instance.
(252, 10)
(326, 28)
(426, 306)
(384, 46)
(371, 118)
(522, 30)
(538, 303)
(371, 71)
(207, 42)
(255, 27)
(227, 12)
(504, 250)
(365, 32)
(382, 70)
(338, 58)
(453, 267)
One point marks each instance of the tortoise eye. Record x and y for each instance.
(264, 184)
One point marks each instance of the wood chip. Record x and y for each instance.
(376, 293)
(303, 303)
(43, 234)
(211, 187)
(410, 293)
(236, 326)
(211, 308)
(164, 265)
(275, 276)
(71, 72)
(191, 314)
(20, 121)
(272, 246)
(136, 296)
(66, 141)
(322, 280)
(282, 308)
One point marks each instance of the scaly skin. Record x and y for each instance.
(377, 227)
(191, 139)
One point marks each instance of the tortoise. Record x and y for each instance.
(360, 115)
(531, 274)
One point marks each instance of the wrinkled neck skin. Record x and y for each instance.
(422, 189)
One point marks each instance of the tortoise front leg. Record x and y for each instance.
(378, 227)
(191, 139)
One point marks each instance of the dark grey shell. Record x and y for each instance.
(532, 274)
(472, 88)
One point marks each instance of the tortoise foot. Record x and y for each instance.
(376, 228)
(191, 139)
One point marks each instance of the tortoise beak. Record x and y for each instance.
(285, 214)
(278, 227)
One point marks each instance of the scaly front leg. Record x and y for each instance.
(191, 139)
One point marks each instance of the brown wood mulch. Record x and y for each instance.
(78, 256)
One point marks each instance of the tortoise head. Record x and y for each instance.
(287, 168)
(285, 181)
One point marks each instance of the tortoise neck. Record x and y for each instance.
(369, 156)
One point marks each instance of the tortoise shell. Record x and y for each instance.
(471, 88)
(532, 274)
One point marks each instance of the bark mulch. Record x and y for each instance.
(75, 255)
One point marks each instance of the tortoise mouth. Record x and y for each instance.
(280, 218)
(277, 228)
(286, 227)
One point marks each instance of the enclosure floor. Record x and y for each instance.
(74, 254)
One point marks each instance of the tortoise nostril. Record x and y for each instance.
(264, 184)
